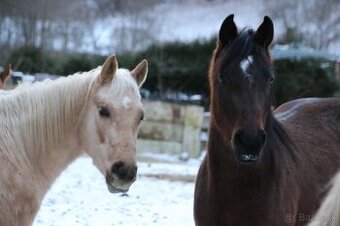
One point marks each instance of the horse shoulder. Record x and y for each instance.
(313, 125)
(293, 108)
(310, 115)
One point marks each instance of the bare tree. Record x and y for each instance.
(42, 23)
(316, 22)
(137, 26)
(71, 25)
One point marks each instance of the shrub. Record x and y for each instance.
(31, 60)
(179, 66)
(304, 78)
(183, 67)
(34, 60)
(72, 63)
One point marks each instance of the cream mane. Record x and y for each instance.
(37, 117)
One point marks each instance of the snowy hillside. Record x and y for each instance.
(178, 21)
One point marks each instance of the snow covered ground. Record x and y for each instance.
(162, 195)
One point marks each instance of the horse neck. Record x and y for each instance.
(42, 123)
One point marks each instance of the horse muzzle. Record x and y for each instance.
(249, 145)
(120, 177)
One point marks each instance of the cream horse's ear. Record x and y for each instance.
(108, 70)
(140, 72)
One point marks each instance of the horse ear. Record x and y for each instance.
(5, 73)
(140, 72)
(108, 70)
(265, 32)
(228, 30)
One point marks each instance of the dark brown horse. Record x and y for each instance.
(262, 168)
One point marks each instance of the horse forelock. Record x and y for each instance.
(238, 49)
(241, 52)
(123, 82)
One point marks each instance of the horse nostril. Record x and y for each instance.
(239, 138)
(124, 172)
(118, 168)
(263, 136)
(249, 139)
(130, 174)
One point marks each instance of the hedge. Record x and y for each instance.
(183, 67)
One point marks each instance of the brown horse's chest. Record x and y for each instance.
(242, 201)
(243, 205)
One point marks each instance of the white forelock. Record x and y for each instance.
(123, 81)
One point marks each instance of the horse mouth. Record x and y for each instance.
(248, 158)
(114, 189)
(116, 186)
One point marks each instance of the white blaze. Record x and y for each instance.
(244, 64)
(126, 101)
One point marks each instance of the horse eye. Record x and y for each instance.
(104, 112)
(141, 117)
(221, 78)
(271, 80)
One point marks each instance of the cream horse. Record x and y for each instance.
(329, 212)
(46, 126)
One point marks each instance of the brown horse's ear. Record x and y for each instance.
(108, 70)
(265, 32)
(140, 72)
(4, 75)
(228, 30)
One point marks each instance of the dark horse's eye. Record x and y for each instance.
(271, 80)
(221, 78)
(104, 112)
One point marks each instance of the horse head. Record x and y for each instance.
(113, 116)
(241, 78)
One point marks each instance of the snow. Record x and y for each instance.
(80, 196)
